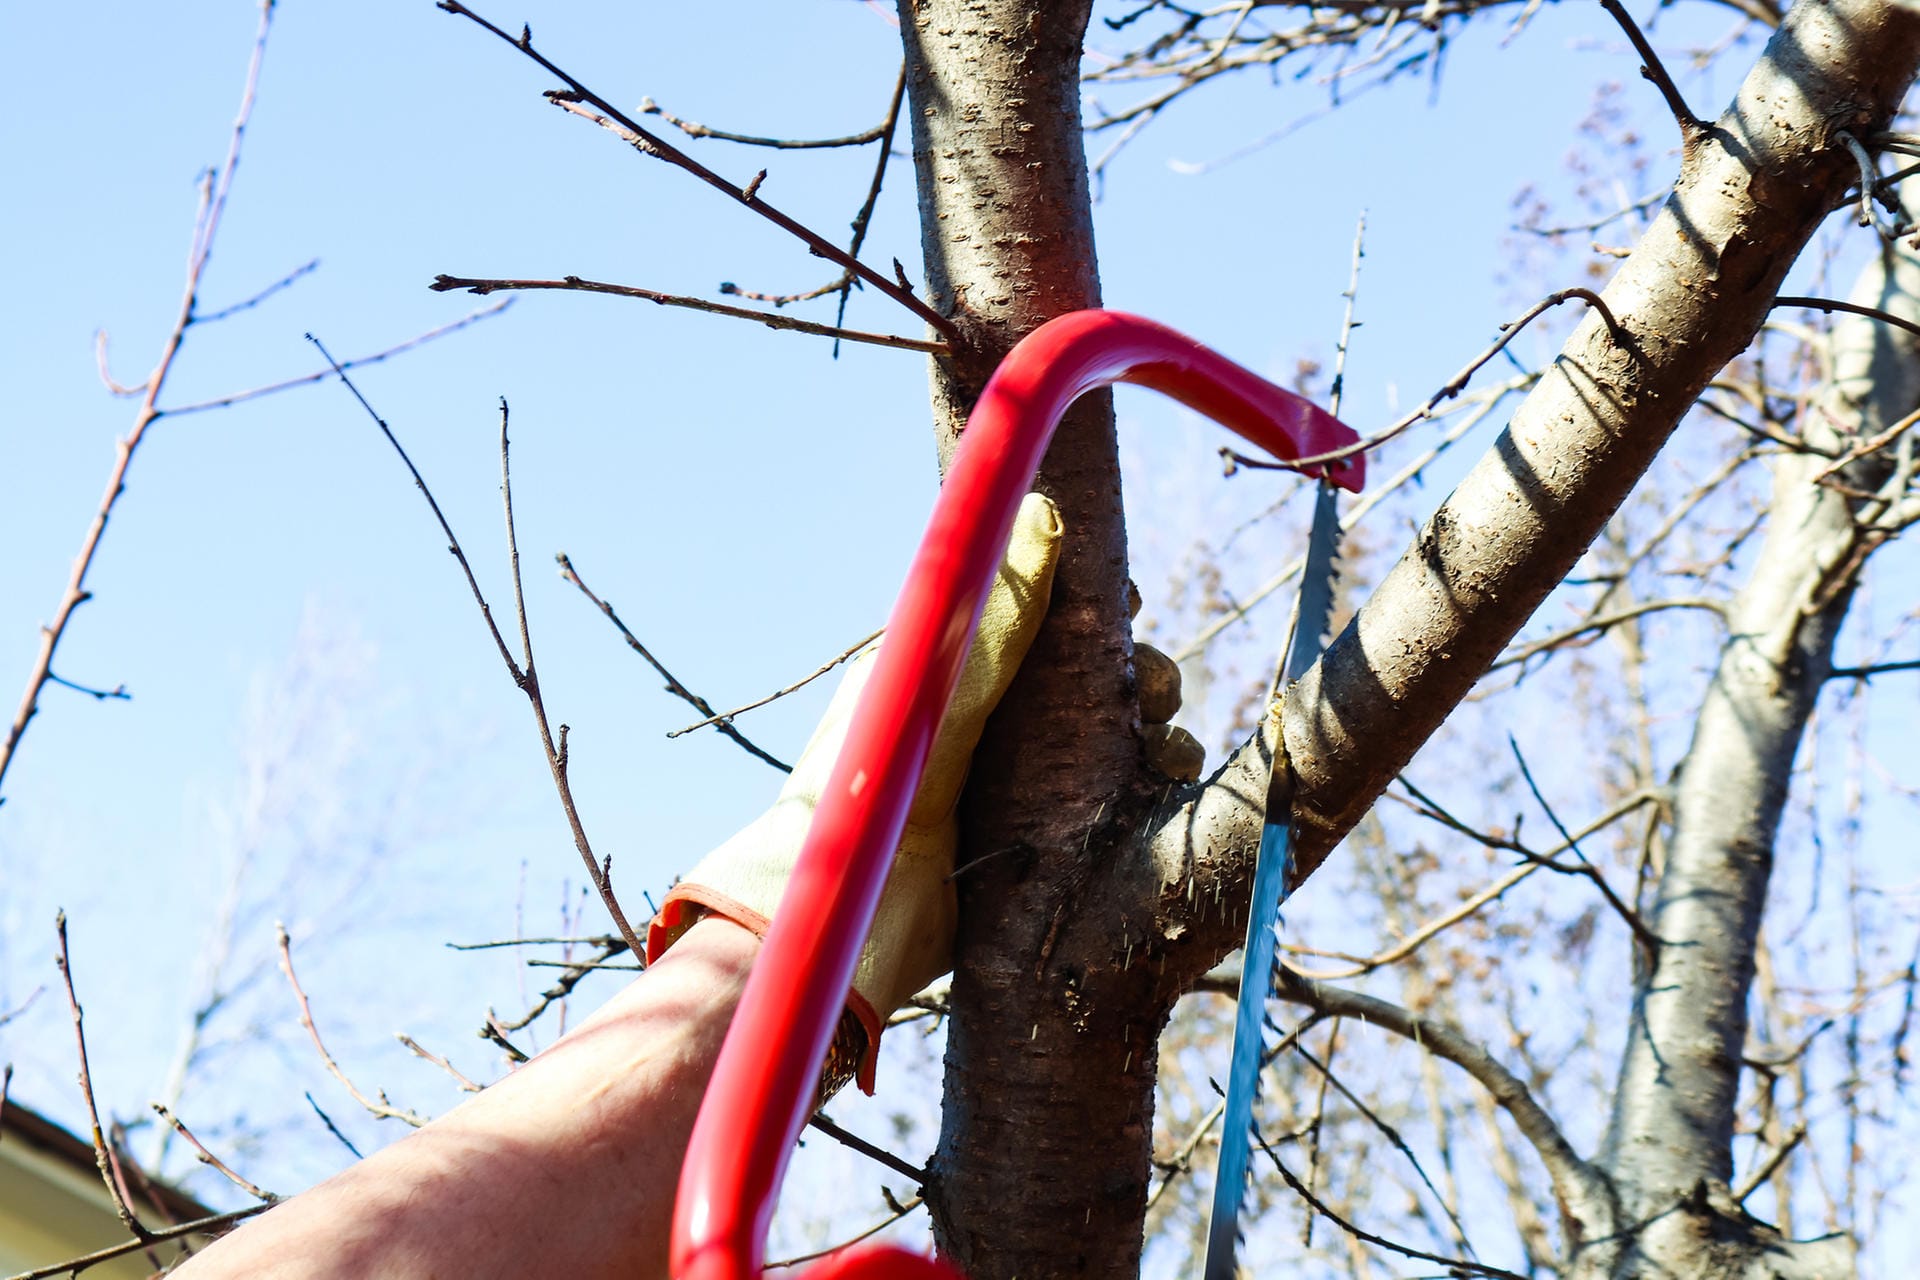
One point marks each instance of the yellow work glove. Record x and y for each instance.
(911, 942)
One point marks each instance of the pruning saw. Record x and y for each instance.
(1260, 961)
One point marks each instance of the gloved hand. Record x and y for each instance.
(911, 942)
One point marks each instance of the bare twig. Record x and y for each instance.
(419, 1051)
(1533, 649)
(694, 129)
(1869, 672)
(1648, 938)
(624, 126)
(771, 319)
(104, 1156)
(1871, 191)
(1758, 1176)
(199, 1226)
(1491, 893)
(1453, 386)
(117, 693)
(1852, 308)
(247, 304)
(1578, 1183)
(358, 362)
(380, 1108)
(598, 940)
(600, 874)
(1431, 808)
(211, 1160)
(674, 686)
(1691, 125)
(726, 717)
(333, 1128)
(561, 989)
(906, 1207)
(1455, 1266)
(1474, 411)
(214, 191)
(824, 1123)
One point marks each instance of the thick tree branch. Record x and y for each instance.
(1688, 299)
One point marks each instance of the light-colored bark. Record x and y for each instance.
(1690, 297)
(1675, 1106)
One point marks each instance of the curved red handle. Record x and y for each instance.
(762, 1088)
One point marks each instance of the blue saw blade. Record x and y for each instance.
(1271, 874)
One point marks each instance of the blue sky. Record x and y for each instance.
(747, 502)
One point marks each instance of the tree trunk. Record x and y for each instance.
(1085, 905)
(1040, 1170)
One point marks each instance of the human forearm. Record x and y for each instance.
(566, 1167)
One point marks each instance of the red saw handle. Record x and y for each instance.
(763, 1085)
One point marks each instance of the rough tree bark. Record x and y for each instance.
(1091, 894)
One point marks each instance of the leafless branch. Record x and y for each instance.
(853, 1141)
(86, 1261)
(1691, 125)
(380, 1108)
(905, 1208)
(287, 281)
(418, 1051)
(771, 319)
(674, 686)
(332, 1128)
(358, 362)
(724, 718)
(1453, 387)
(1455, 1266)
(104, 1155)
(211, 1160)
(1602, 622)
(214, 192)
(1852, 308)
(624, 126)
(600, 874)
(694, 129)
(1581, 1186)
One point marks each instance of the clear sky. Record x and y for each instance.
(310, 681)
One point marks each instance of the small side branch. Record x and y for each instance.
(1578, 1183)
(358, 362)
(1692, 127)
(724, 718)
(380, 1108)
(86, 1261)
(773, 320)
(1453, 386)
(105, 1157)
(674, 687)
(623, 125)
(598, 872)
(1851, 308)
(211, 1160)
(694, 129)
(1455, 1266)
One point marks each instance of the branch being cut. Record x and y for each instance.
(1689, 298)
